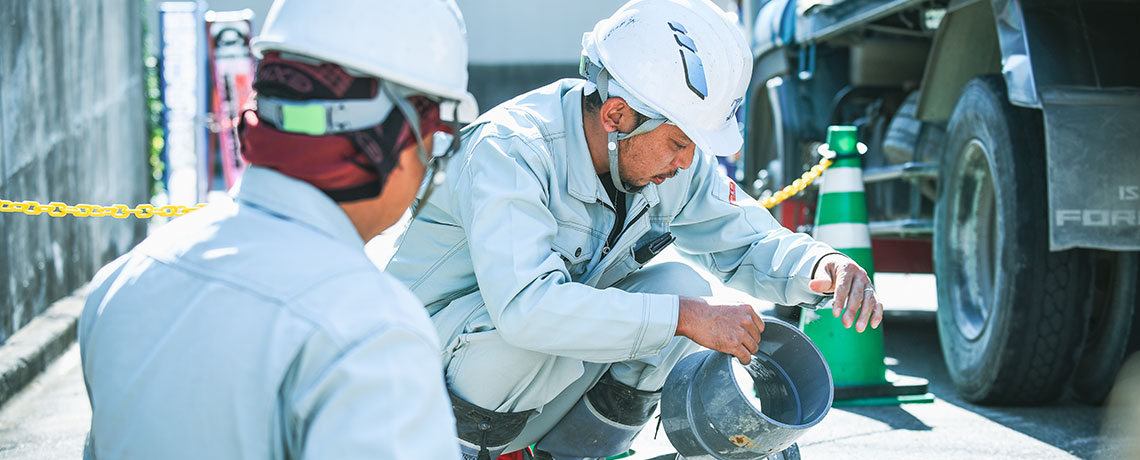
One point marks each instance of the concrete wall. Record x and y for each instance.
(72, 129)
(530, 32)
(515, 46)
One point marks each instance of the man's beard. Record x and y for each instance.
(624, 146)
(630, 180)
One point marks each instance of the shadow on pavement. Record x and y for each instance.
(894, 416)
(911, 338)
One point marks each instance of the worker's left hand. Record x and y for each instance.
(852, 287)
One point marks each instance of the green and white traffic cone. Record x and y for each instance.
(856, 359)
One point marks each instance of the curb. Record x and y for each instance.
(32, 348)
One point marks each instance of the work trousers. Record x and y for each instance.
(488, 372)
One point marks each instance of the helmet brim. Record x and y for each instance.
(721, 142)
(468, 109)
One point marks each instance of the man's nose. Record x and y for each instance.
(685, 158)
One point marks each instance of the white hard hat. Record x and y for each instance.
(684, 59)
(417, 44)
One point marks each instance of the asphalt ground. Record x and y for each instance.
(50, 417)
(949, 427)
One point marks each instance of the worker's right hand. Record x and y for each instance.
(723, 325)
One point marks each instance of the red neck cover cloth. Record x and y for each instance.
(346, 166)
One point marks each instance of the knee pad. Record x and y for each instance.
(603, 423)
(484, 434)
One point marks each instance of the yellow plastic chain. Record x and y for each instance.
(798, 185)
(118, 211)
(144, 211)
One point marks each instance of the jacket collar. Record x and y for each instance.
(297, 201)
(582, 179)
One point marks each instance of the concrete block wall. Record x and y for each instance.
(73, 128)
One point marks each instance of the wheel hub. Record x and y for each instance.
(976, 239)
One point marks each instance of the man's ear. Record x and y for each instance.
(613, 111)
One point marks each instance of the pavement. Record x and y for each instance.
(49, 418)
(948, 428)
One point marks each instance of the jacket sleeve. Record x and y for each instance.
(741, 243)
(380, 397)
(525, 284)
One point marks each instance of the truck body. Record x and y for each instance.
(1001, 156)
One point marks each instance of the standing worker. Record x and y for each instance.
(258, 328)
(530, 260)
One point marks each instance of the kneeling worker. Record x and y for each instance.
(530, 260)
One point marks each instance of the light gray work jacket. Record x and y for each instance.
(259, 329)
(515, 239)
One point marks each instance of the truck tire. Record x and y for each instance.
(1111, 305)
(1010, 316)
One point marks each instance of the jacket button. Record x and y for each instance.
(577, 252)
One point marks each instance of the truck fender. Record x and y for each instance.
(965, 46)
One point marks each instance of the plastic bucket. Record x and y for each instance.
(712, 407)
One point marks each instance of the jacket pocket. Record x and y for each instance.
(576, 247)
(618, 270)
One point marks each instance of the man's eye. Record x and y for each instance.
(678, 145)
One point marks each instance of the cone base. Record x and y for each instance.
(897, 385)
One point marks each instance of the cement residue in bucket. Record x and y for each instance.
(769, 390)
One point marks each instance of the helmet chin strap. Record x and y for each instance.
(411, 117)
(612, 147)
(613, 137)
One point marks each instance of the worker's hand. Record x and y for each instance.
(726, 326)
(852, 287)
